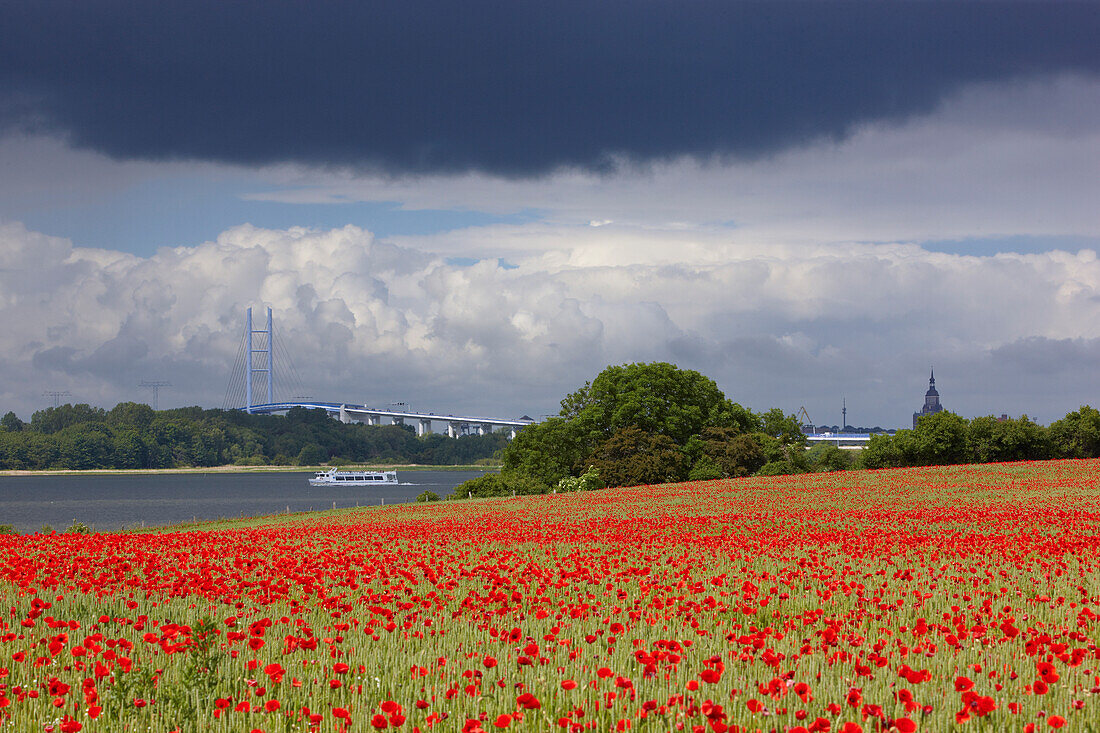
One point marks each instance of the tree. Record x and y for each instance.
(632, 457)
(11, 422)
(207, 446)
(828, 457)
(991, 440)
(312, 455)
(299, 415)
(1077, 435)
(131, 415)
(547, 451)
(54, 419)
(84, 446)
(705, 469)
(129, 451)
(733, 454)
(784, 428)
(657, 398)
(885, 451)
(940, 439)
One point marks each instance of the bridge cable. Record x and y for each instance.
(287, 379)
(234, 389)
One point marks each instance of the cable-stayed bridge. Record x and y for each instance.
(256, 358)
(456, 424)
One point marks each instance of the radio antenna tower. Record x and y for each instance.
(155, 386)
(56, 396)
(267, 360)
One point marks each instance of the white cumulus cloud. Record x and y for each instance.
(370, 321)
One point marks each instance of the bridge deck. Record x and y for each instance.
(336, 407)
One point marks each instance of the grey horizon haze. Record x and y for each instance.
(478, 206)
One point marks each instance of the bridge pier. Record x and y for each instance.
(452, 429)
(423, 427)
(398, 420)
(374, 419)
(344, 416)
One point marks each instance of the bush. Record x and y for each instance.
(825, 457)
(482, 486)
(424, 496)
(78, 528)
(587, 481)
(497, 484)
(778, 468)
(8, 529)
(705, 469)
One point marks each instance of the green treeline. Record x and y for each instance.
(132, 435)
(945, 438)
(655, 423)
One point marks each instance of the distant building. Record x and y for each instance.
(931, 401)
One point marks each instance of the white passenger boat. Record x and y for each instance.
(334, 477)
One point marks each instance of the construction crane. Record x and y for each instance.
(804, 420)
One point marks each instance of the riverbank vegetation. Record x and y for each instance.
(656, 423)
(134, 436)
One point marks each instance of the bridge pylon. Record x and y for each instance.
(267, 360)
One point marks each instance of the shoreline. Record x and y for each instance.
(240, 469)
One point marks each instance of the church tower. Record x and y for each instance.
(931, 400)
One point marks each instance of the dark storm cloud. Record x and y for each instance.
(510, 87)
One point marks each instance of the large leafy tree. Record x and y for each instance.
(614, 422)
(941, 439)
(657, 398)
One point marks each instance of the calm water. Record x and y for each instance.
(112, 502)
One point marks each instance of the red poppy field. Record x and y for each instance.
(922, 599)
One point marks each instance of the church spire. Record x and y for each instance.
(931, 399)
